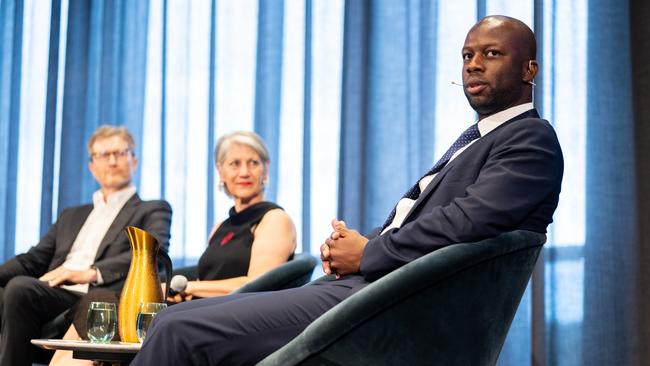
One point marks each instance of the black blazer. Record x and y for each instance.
(509, 179)
(114, 253)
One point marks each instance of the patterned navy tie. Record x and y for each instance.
(471, 134)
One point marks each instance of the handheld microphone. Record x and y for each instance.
(177, 285)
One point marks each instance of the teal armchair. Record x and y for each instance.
(453, 306)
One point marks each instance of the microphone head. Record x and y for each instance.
(178, 284)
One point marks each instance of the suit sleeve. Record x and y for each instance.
(36, 261)
(523, 169)
(156, 221)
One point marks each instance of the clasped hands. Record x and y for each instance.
(341, 253)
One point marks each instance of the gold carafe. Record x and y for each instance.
(142, 283)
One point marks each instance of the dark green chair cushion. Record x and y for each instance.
(453, 306)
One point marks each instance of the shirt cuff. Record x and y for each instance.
(100, 279)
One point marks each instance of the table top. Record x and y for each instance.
(87, 346)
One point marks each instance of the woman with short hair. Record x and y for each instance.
(256, 237)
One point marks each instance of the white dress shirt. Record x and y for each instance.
(485, 126)
(84, 249)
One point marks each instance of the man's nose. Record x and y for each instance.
(475, 63)
(112, 158)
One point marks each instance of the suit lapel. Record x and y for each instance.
(73, 227)
(120, 222)
(436, 181)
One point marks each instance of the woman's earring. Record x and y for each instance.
(222, 185)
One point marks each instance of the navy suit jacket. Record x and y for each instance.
(113, 256)
(507, 180)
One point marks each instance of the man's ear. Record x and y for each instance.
(531, 72)
(91, 168)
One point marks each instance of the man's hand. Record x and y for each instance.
(62, 275)
(342, 251)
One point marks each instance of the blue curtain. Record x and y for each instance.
(11, 29)
(611, 247)
(268, 76)
(388, 95)
(354, 101)
(104, 83)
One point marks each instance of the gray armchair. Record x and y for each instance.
(453, 306)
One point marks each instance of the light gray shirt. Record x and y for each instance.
(84, 249)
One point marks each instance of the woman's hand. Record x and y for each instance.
(181, 296)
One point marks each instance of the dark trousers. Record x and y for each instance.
(238, 329)
(26, 304)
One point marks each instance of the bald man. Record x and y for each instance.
(502, 174)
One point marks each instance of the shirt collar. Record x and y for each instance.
(489, 123)
(118, 198)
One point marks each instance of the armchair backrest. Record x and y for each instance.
(453, 306)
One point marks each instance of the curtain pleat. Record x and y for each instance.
(11, 30)
(104, 74)
(306, 130)
(49, 140)
(268, 88)
(388, 103)
(611, 243)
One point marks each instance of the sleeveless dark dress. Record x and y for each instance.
(228, 255)
(229, 252)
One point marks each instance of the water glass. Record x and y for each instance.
(101, 322)
(146, 312)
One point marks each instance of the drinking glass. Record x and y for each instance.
(146, 312)
(101, 322)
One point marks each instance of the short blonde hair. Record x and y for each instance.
(106, 131)
(246, 138)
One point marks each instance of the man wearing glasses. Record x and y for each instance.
(85, 247)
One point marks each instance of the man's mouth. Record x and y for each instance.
(475, 87)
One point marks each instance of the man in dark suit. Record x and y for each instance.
(85, 247)
(504, 173)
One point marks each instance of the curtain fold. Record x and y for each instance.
(611, 245)
(306, 200)
(268, 88)
(388, 100)
(49, 136)
(104, 84)
(11, 30)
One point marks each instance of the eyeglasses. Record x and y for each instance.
(105, 156)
